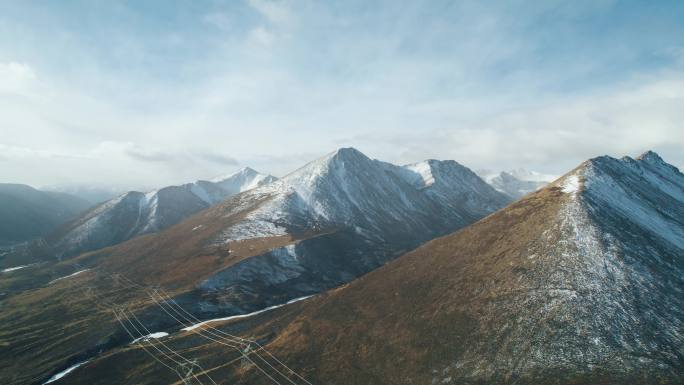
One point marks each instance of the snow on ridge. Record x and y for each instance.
(424, 172)
(245, 171)
(571, 184)
(242, 180)
(623, 218)
(613, 184)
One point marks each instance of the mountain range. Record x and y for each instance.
(323, 225)
(422, 273)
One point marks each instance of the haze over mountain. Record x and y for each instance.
(135, 213)
(515, 183)
(27, 213)
(94, 194)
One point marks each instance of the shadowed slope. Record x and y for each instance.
(27, 213)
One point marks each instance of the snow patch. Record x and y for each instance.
(68, 276)
(64, 372)
(16, 268)
(424, 170)
(571, 184)
(253, 229)
(197, 325)
(156, 335)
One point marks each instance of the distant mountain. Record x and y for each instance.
(93, 194)
(580, 282)
(523, 174)
(516, 183)
(514, 187)
(135, 213)
(27, 213)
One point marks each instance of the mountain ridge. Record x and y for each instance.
(135, 213)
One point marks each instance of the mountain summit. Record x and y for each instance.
(347, 189)
(244, 179)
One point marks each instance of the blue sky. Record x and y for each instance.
(147, 93)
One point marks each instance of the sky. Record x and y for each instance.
(140, 94)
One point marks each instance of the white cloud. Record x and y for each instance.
(277, 83)
(557, 133)
(275, 11)
(261, 36)
(220, 20)
(19, 152)
(16, 77)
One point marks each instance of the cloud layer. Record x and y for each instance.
(142, 95)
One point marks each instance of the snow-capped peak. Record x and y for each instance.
(242, 180)
(647, 192)
(346, 188)
(332, 165)
(322, 165)
(243, 172)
